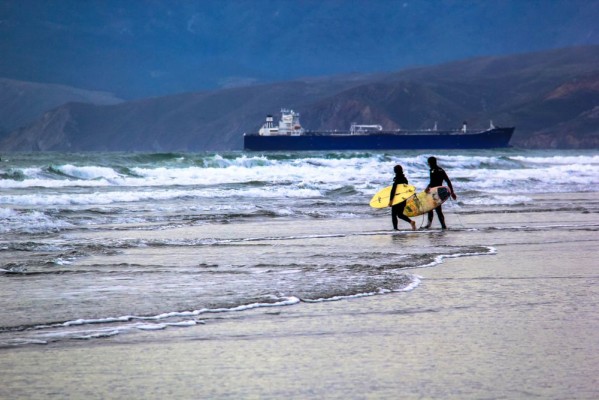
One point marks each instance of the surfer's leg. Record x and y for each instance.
(394, 216)
(400, 214)
(441, 217)
(430, 219)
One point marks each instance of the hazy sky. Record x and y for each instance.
(137, 48)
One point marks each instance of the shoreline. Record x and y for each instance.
(520, 323)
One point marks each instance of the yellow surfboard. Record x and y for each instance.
(381, 198)
(423, 202)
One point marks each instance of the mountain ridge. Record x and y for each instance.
(551, 97)
(21, 101)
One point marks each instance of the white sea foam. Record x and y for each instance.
(22, 341)
(180, 188)
(7, 212)
(97, 335)
(89, 172)
(439, 259)
(468, 172)
(414, 282)
(82, 328)
(151, 327)
(126, 318)
(29, 221)
(581, 159)
(184, 324)
(111, 197)
(496, 200)
(50, 183)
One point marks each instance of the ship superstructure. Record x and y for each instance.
(289, 125)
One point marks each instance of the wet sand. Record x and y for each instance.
(521, 323)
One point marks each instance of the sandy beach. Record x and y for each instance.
(519, 323)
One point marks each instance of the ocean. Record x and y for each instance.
(104, 246)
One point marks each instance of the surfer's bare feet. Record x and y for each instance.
(413, 225)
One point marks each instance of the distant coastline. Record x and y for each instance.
(551, 97)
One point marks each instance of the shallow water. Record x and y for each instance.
(516, 322)
(100, 245)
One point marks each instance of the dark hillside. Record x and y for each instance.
(22, 102)
(552, 98)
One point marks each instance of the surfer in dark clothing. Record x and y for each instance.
(397, 210)
(437, 176)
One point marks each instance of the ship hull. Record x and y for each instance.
(492, 138)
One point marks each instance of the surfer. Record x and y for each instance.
(437, 176)
(397, 210)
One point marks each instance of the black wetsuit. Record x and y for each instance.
(397, 210)
(437, 176)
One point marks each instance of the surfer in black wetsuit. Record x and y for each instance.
(437, 176)
(397, 210)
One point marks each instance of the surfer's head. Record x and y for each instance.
(432, 161)
(398, 170)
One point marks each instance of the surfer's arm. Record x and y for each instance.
(452, 193)
(393, 189)
(430, 180)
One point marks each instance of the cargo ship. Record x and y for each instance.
(289, 135)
